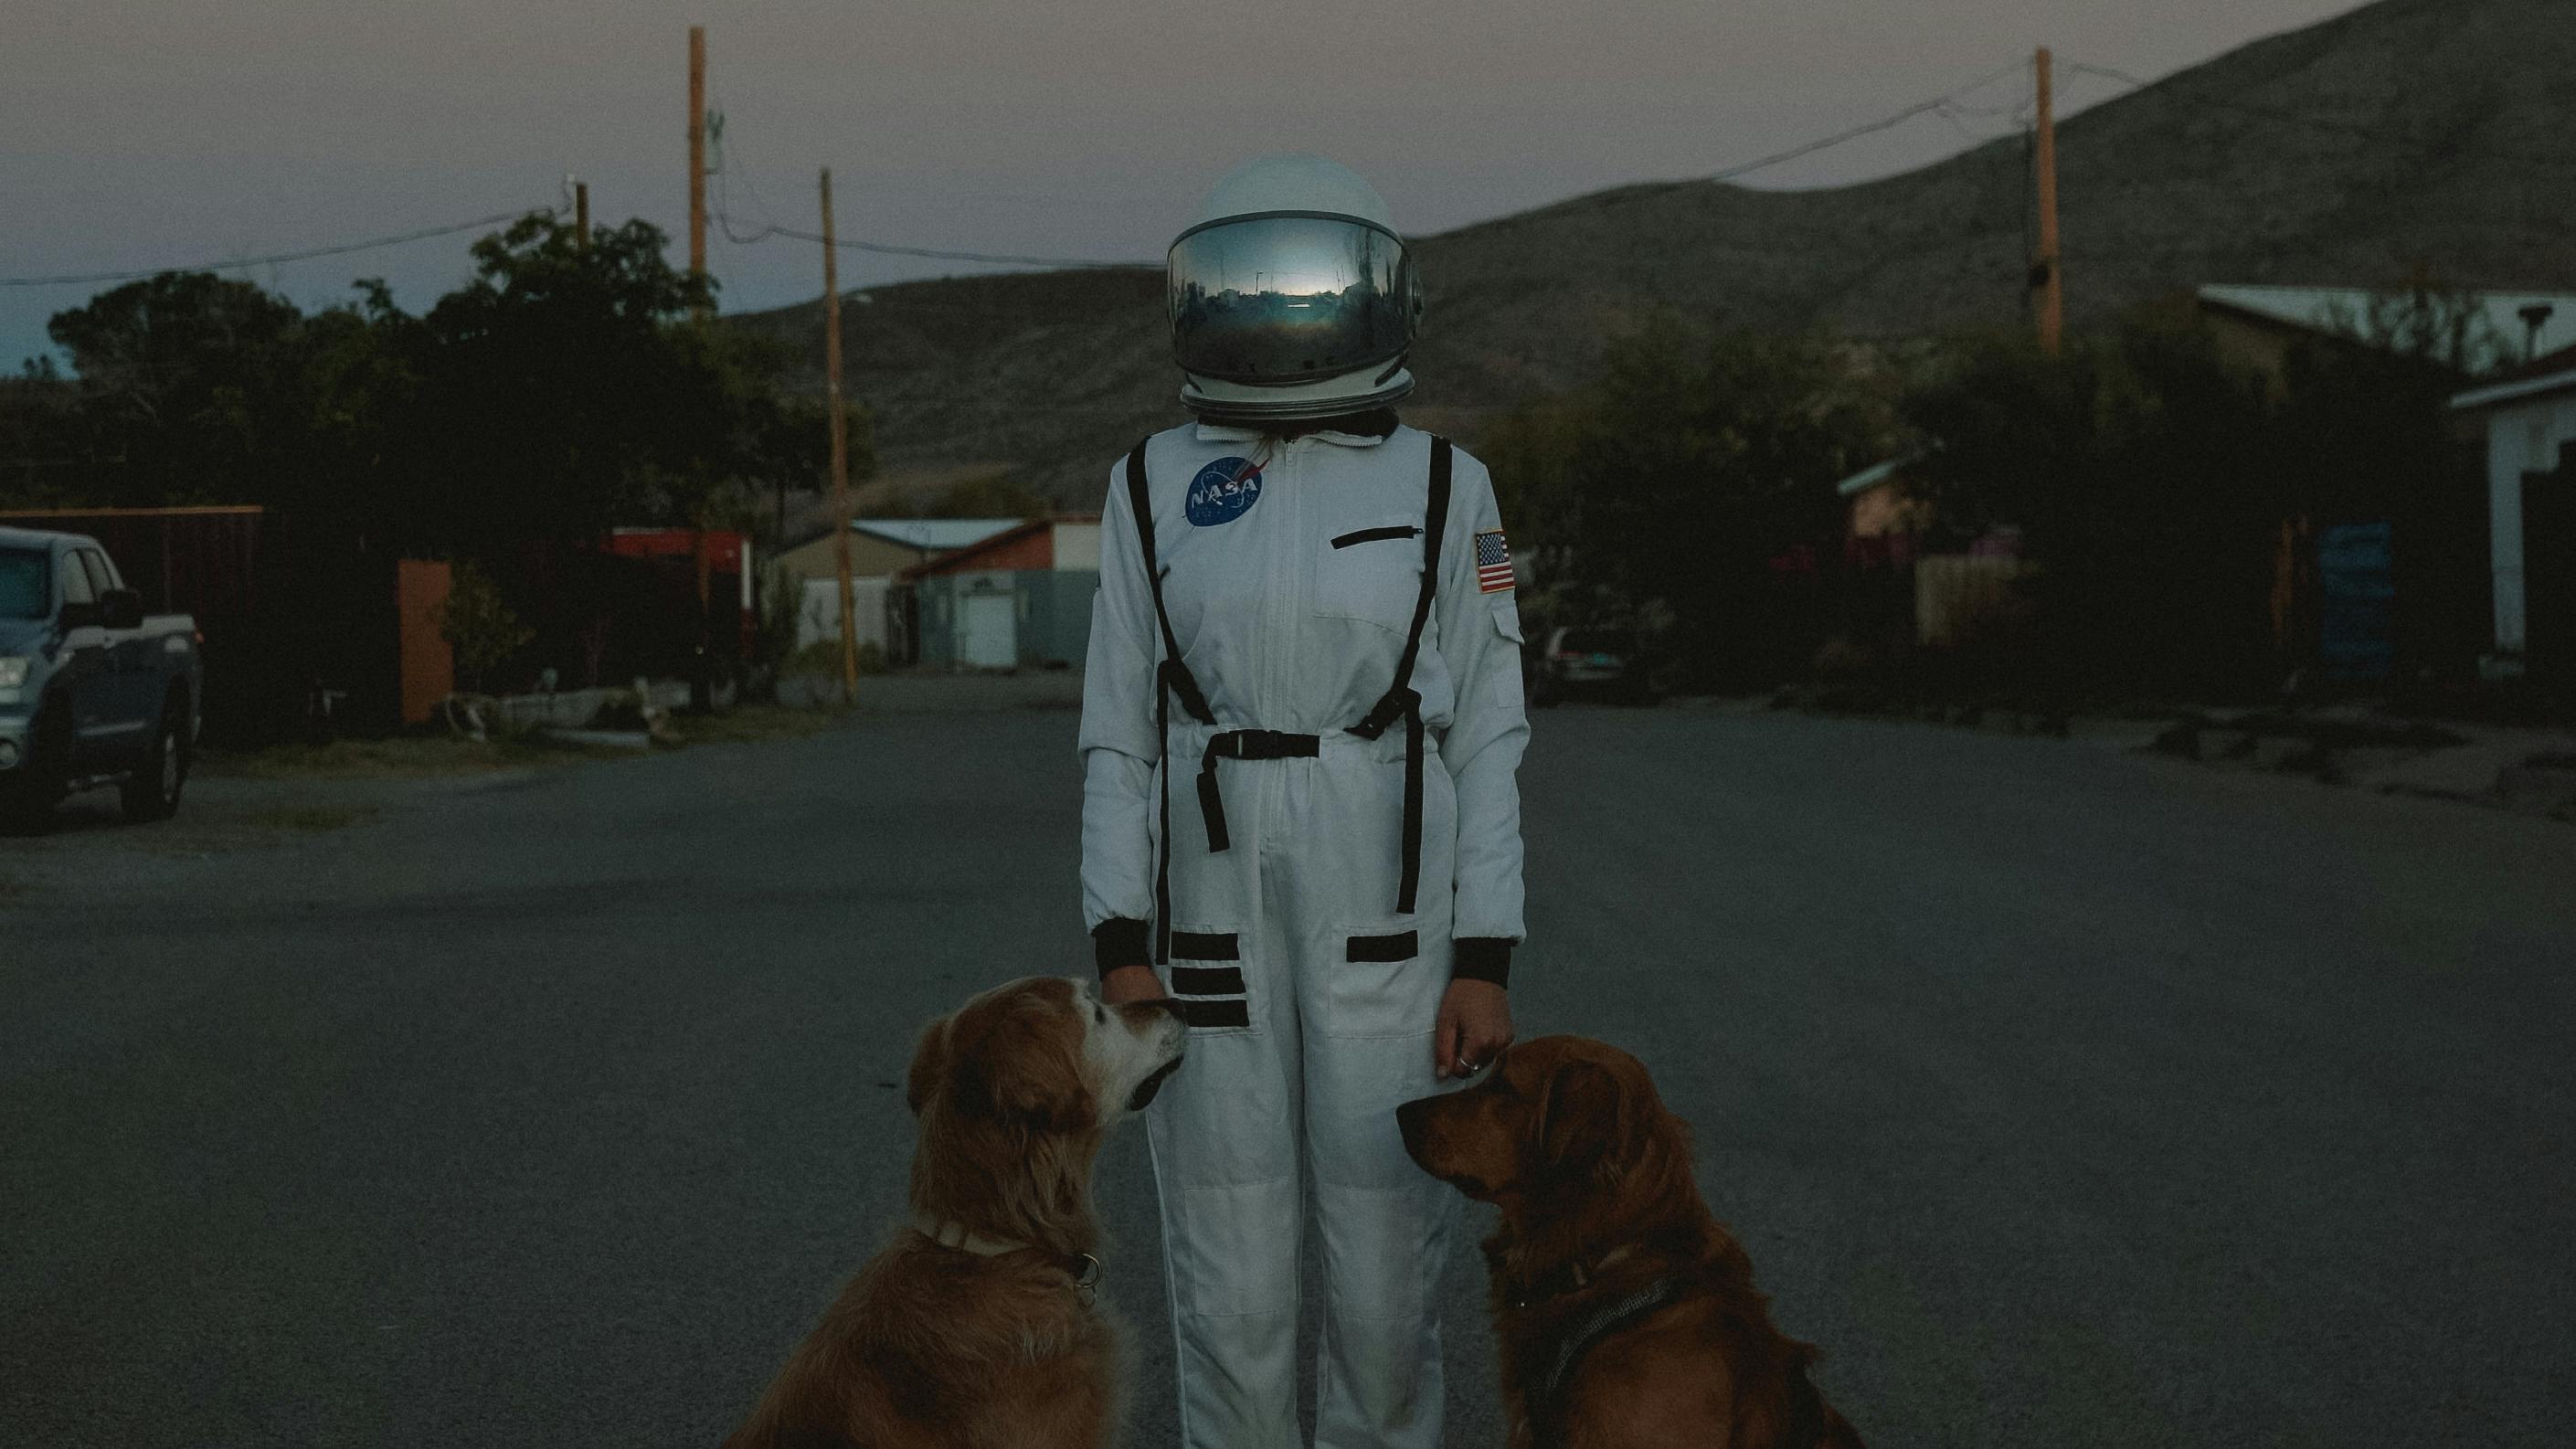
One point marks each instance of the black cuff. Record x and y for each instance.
(1482, 958)
(1119, 942)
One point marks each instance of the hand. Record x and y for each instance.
(1124, 984)
(1475, 1025)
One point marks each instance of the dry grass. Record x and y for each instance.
(412, 757)
(401, 757)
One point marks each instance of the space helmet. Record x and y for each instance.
(1291, 297)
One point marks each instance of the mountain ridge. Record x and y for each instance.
(2352, 152)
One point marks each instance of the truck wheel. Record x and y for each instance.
(152, 792)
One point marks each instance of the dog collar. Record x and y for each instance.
(1573, 1279)
(1082, 1268)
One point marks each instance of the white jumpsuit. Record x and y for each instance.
(1292, 578)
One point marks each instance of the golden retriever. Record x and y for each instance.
(1626, 1314)
(976, 1326)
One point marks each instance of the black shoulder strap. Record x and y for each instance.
(1435, 523)
(1176, 675)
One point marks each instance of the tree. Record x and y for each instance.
(1692, 486)
(560, 392)
(2146, 478)
(564, 392)
(480, 626)
(44, 444)
(184, 383)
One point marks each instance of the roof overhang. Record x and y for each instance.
(1881, 475)
(2508, 392)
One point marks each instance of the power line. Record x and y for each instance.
(1941, 103)
(1945, 105)
(769, 226)
(889, 249)
(230, 264)
(729, 159)
(1871, 128)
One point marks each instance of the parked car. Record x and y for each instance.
(92, 692)
(1589, 663)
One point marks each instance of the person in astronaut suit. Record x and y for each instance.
(1301, 726)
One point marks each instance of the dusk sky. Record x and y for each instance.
(144, 133)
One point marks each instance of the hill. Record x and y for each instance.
(2437, 133)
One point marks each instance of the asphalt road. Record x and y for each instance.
(2066, 1097)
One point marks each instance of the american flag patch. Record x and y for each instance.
(1493, 562)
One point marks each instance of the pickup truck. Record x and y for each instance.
(91, 691)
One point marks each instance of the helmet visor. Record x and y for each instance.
(1290, 298)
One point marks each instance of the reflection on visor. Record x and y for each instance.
(1281, 300)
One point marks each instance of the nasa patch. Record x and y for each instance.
(1224, 491)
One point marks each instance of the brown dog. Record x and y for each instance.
(976, 1326)
(1626, 1313)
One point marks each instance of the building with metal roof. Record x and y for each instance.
(2530, 417)
(2260, 324)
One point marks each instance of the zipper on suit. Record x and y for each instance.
(1282, 658)
(1282, 664)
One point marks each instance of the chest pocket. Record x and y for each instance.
(1372, 572)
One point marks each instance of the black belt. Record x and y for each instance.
(1244, 745)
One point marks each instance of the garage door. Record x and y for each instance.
(991, 624)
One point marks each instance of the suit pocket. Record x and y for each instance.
(1206, 978)
(1371, 572)
(1383, 978)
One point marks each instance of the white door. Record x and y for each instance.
(991, 627)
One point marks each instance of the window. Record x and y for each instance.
(25, 592)
(76, 589)
(101, 577)
(1596, 641)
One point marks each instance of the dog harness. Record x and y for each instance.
(1544, 1400)
(1173, 679)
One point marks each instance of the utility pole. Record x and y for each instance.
(702, 694)
(581, 216)
(2047, 273)
(698, 157)
(840, 451)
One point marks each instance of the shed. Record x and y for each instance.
(1881, 507)
(881, 551)
(1021, 598)
(1895, 591)
(2259, 326)
(881, 548)
(2530, 416)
